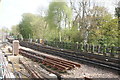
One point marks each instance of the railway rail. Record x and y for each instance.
(30, 54)
(59, 64)
(100, 60)
(31, 70)
(74, 56)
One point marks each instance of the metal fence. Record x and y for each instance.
(108, 51)
(111, 51)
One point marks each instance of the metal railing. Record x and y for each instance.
(110, 51)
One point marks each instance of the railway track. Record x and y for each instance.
(113, 64)
(31, 70)
(59, 64)
(36, 57)
(73, 57)
(36, 72)
(100, 60)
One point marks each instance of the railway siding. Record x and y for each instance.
(50, 61)
(85, 70)
(100, 60)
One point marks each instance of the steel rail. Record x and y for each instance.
(72, 57)
(50, 61)
(114, 64)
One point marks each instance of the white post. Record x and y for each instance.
(15, 47)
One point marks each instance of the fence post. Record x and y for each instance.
(118, 52)
(104, 50)
(87, 47)
(92, 48)
(98, 49)
(112, 51)
(81, 47)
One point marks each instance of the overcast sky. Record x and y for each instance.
(11, 10)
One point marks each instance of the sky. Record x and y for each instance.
(11, 10)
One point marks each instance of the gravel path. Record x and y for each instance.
(90, 72)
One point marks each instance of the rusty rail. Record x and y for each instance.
(32, 72)
(59, 64)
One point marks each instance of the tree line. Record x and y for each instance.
(70, 21)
